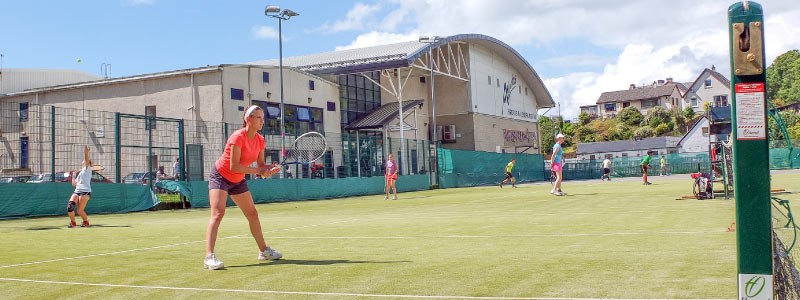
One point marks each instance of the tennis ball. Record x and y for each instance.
(78, 60)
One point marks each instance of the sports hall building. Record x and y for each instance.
(367, 101)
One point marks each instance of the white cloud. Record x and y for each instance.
(264, 33)
(378, 38)
(140, 2)
(654, 39)
(355, 19)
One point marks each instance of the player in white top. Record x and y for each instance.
(81, 180)
(606, 169)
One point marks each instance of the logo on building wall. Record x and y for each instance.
(519, 138)
(508, 87)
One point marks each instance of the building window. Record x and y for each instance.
(23, 111)
(237, 94)
(624, 154)
(358, 96)
(626, 104)
(265, 76)
(490, 79)
(526, 91)
(520, 90)
(331, 106)
(649, 103)
(707, 84)
(311, 85)
(23, 152)
(694, 101)
(298, 119)
(498, 81)
(705, 131)
(241, 108)
(610, 107)
(721, 100)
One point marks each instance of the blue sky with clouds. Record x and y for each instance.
(579, 48)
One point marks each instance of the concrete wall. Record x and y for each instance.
(695, 141)
(487, 97)
(490, 135)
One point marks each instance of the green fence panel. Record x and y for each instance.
(281, 190)
(460, 168)
(49, 199)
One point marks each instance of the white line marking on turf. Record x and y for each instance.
(496, 236)
(303, 293)
(158, 247)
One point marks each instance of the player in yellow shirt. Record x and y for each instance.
(509, 175)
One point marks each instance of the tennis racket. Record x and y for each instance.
(306, 148)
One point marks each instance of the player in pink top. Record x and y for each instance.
(391, 176)
(244, 147)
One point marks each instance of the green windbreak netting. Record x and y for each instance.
(47, 199)
(784, 158)
(460, 168)
(279, 190)
(678, 163)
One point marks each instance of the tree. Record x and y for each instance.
(656, 116)
(689, 113)
(585, 134)
(584, 118)
(547, 132)
(644, 132)
(790, 119)
(783, 77)
(662, 129)
(630, 116)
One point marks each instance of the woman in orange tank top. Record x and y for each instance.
(244, 147)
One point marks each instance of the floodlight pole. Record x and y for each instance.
(431, 41)
(281, 15)
(750, 151)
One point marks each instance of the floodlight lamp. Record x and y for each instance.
(272, 9)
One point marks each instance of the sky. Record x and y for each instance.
(580, 48)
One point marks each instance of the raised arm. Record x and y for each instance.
(86, 161)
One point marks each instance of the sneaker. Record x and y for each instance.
(501, 185)
(269, 254)
(85, 224)
(395, 198)
(72, 224)
(559, 194)
(385, 198)
(212, 263)
(648, 183)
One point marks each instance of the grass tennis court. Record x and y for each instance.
(615, 239)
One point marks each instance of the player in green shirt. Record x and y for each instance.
(645, 163)
(509, 175)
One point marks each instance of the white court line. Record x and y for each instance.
(307, 293)
(159, 247)
(494, 236)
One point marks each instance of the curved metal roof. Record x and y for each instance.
(404, 54)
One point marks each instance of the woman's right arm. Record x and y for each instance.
(236, 167)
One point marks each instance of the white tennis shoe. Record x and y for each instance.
(269, 254)
(212, 263)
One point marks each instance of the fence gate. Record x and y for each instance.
(146, 145)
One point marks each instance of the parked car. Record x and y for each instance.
(139, 177)
(63, 176)
(18, 179)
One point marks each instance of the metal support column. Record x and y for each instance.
(750, 151)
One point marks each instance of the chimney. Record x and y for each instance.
(713, 68)
(669, 79)
(633, 86)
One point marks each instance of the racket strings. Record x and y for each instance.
(309, 148)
